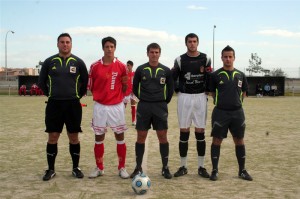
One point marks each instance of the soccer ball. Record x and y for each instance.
(140, 183)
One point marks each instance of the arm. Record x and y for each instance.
(136, 82)
(244, 87)
(175, 74)
(43, 77)
(124, 79)
(207, 74)
(84, 78)
(212, 86)
(170, 86)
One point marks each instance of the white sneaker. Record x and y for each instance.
(96, 172)
(123, 173)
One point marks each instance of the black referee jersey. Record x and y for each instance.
(63, 79)
(228, 87)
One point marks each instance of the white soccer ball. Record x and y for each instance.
(141, 183)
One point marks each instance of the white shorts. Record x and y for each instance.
(112, 116)
(192, 109)
(129, 97)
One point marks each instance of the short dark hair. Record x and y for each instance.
(191, 35)
(153, 45)
(228, 48)
(64, 35)
(110, 39)
(130, 62)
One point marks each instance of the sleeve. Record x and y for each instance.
(136, 82)
(124, 78)
(90, 79)
(212, 86)
(170, 86)
(175, 74)
(84, 78)
(207, 74)
(43, 78)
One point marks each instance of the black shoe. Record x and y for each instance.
(49, 174)
(77, 173)
(214, 175)
(136, 171)
(245, 175)
(166, 173)
(202, 172)
(181, 171)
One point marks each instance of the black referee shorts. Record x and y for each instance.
(224, 120)
(152, 113)
(60, 112)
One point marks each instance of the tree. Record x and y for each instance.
(254, 64)
(277, 72)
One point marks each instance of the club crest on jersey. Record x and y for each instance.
(162, 80)
(201, 69)
(72, 69)
(240, 83)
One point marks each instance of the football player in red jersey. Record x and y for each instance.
(129, 96)
(108, 84)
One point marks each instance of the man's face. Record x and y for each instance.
(228, 58)
(129, 67)
(153, 54)
(109, 49)
(192, 44)
(64, 45)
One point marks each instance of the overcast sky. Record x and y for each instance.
(269, 28)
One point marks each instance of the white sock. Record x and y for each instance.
(183, 162)
(201, 161)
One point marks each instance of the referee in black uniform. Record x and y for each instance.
(153, 86)
(63, 79)
(228, 87)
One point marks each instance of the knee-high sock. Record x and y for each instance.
(133, 112)
(215, 154)
(139, 153)
(240, 152)
(99, 153)
(51, 151)
(164, 153)
(121, 150)
(183, 147)
(201, 146)
(74, 150)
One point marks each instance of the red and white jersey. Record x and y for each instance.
(106, 81)
(129, 83)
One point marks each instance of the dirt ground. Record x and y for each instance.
(272, 148)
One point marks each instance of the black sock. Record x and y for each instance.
(75, 154)
(215, 154)
(51, 151)
(139, 153)
(164, 153)
(184, 143)
(240, 152)
(201, 144)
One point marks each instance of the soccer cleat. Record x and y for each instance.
(245, 175)
(202, 172)
(133, 123)
(123, 173)
(214, 175)
(96, 172)
(166, 173)
(49, 174)
(77, 173)
(181, 171)
(136, 171)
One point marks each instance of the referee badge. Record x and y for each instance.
(72, 69)
(240, 83)
(162, 80)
